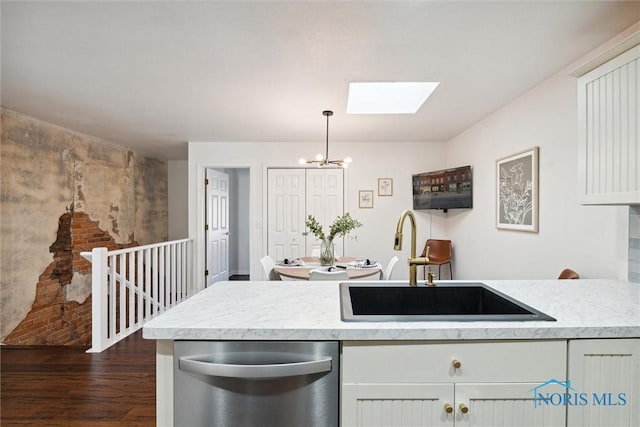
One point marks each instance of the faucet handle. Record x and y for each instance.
(430, 278)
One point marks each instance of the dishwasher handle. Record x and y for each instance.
(267, 371)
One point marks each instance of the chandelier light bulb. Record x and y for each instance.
(302, 161)
(347, 160)
(319, 157)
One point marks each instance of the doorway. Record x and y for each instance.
(230, 259)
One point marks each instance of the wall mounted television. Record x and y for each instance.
(444, 189)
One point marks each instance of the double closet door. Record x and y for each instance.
(292, 195)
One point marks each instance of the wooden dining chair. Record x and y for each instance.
(568, 273)
(440, 253)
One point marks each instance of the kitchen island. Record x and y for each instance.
(583, 309)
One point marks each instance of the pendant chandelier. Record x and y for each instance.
(322, 161)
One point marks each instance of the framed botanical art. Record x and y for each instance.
(385, 186)
(517, 191)
(365, 198)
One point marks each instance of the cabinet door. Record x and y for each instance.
(608, 131)
(286, 204)
(607, 371)
(504, 404)
(396, 405)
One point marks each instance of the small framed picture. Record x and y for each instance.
(385, 186)
(365, 198)
(517, 191)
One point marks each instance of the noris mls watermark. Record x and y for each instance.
(558, 393)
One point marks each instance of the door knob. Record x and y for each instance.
(448, 408)
(463, 408)
(456, 363)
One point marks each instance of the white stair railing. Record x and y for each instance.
(132, 286)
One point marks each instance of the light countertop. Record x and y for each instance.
(294, 310)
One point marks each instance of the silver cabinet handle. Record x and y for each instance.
(278, 370)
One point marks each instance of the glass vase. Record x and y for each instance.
(327, 252)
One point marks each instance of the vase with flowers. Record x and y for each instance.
(340, 227)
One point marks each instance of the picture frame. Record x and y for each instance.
(517, 191)
(385, 186)
(365, 199)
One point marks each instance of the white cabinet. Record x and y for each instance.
(292, 194)
(396, 404)
(608, 131)
(449, 384)
(607, 374)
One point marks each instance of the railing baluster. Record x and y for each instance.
(167, 278)
(113, 313)
(147, 283)
(123, 294)
(174, 290)
(180, 272)
(190, 285)
(161, 278)
(154, 274)
(139, 287)
(130, 280)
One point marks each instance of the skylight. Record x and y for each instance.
(388, 97)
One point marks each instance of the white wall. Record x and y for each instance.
(177, 173)
(371, 161)
(589, 239)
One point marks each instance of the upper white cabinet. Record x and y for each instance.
(609, 138)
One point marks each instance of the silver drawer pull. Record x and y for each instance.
(278, 370)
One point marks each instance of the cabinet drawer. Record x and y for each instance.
(485, 361)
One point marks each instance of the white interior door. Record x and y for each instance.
(325, 201)
(285, 213)
(217, 226)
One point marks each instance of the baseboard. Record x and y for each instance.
(238, 272)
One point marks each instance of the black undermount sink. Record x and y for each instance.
(399, 302)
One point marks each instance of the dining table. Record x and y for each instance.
(299, 268)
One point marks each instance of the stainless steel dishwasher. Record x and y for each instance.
(256, 383)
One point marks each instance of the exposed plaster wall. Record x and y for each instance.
(151, 222)
(47, 171)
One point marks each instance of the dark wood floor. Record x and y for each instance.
(64, 386)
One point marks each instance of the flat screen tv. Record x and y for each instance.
(443, 189)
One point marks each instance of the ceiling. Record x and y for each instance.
(154, 75)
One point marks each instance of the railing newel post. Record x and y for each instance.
(99, 295)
